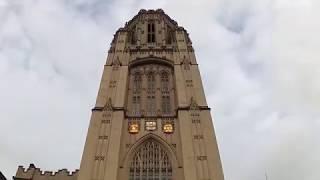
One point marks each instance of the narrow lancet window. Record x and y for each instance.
(166, 107)
(151, 33)
(151, 82)
(136, 104)
(169, 35)
(133, 35)
(137, 82)
(151, 105)
(164, 82)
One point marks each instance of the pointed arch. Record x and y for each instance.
(150, 161)
(150, 157)
(150, 137)
(151, 60)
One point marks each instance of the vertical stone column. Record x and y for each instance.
(188, 157)
(112, 158)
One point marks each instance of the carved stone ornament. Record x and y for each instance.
(133, 127)
(186, 63)
(151, 125)
(193, 104)
(116, 62)
(168, 128)
(108, 106)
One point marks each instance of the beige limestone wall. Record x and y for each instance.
(192, 147)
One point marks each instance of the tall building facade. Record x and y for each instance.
(151, 120)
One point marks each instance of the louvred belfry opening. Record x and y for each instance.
(150, 162)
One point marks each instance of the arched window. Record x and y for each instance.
(151, 105)
(164, 81)
(166, 107)
(137, 82)
(169, 35)
(133, 35)
(136, 104)
(150, 162)
(151, 33)
(151, 81)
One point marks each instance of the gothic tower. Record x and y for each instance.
(151, 120)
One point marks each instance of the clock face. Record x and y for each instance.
(167, 128)
(151, 125)
(133, 127)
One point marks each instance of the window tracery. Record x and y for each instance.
(150, 162)
(136, 102)
(164, 81)
(151, 105)
(137, 82)
(151, 32)
(166, 108)
(151, 81)
(150, 90)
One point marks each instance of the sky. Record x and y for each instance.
(259, 61)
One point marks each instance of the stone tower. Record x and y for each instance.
(151, 120)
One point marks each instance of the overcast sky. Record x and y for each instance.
(259, 60)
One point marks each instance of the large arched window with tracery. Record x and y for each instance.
(150, 162)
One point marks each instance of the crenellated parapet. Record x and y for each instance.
(34, 173)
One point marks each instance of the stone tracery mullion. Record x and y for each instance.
(152, 162)
(153, 84)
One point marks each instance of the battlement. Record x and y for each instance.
(34, 173)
